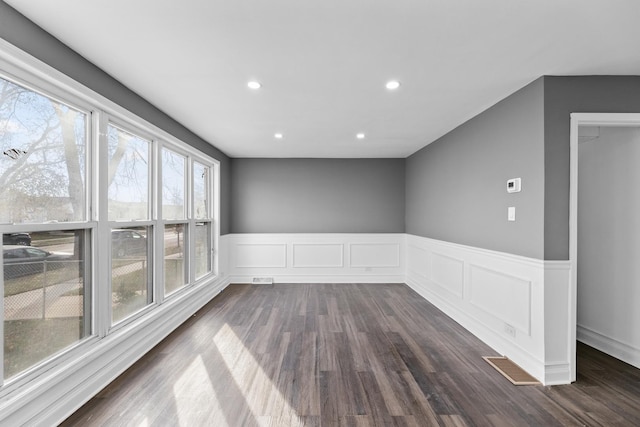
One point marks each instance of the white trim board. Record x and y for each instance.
(608, 345)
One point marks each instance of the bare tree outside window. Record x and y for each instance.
(128, 175)
(173, 185)
(174, 208)
(200, 190)
(43, 161)
(128, 200)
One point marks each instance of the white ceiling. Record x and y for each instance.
(323, 64)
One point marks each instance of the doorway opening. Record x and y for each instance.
(604, 235)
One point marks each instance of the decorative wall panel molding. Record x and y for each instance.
(318, 255)
(417, 262)
(374, 254)
(485, 284)
(448, 273)
(260, 255)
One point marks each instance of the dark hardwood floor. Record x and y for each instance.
(345, 355)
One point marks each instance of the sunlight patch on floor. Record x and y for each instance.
(194, 390)
(262, 396)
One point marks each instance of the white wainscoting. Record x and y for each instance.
(517, 305)
(501, 299)
(317, 258)
(261, 255)
(318, 255)
(513, 304)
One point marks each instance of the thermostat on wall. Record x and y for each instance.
(514, 185)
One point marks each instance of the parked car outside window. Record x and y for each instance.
(127, 242)
(22, 239)
(24, 260)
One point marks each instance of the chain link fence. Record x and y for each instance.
(43, 289)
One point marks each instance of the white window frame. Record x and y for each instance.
(212, 209)
(191, 155)
(163, 222)
(44, 88)
(106, 320)
(19, 67)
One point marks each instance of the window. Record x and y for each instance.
(130, 271)
(203, 258)
(128, 179)
(44, 147)
(173, 185)
(103, 217)
(129, 199)
(202, 192)
(46, 233)
(176, 230)
(186, 212)
(174, 257)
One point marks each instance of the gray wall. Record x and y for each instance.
(456, 186)
(21, 32)
(317, 196)
(563, 96)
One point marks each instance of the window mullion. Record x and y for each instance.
(101, 240)
(2, 324)
(191, 226)
(158, 244)
(214, 206)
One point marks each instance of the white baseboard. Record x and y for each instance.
(557, 373)
(610, 346)
(321, 279)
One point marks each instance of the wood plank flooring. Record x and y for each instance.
(345, 355)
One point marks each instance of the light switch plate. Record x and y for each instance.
(511, 213)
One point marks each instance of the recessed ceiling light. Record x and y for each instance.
(254, 84)
(278, 135)
(360, 135)
(393, 84)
